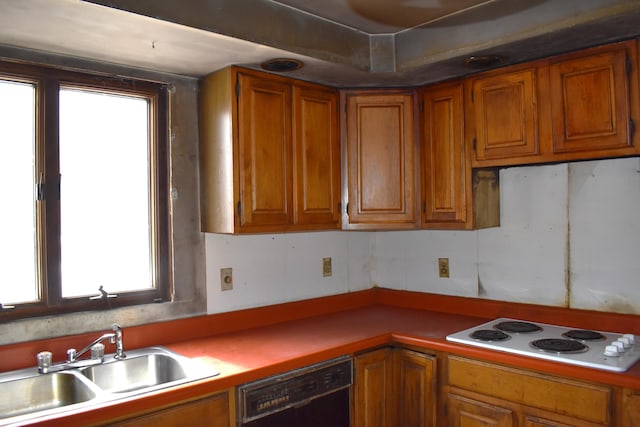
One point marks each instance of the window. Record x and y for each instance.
(84, 214)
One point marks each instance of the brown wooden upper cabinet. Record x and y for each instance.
(502, 115)
(582, 105)
(446, 183)
(591, 101)
(270, 154)
(381, 160)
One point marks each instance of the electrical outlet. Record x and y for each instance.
(326, 267)
(443, 267)
(226, 279)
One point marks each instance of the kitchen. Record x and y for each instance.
(543, 252)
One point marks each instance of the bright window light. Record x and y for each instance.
(18, 256)
(105, 217)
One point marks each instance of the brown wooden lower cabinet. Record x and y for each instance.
(631, 408)
(215, 411)
(394, 387)
(486, 394)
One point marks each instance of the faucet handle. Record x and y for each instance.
(71, 355)
(97, 351)
(44, 360)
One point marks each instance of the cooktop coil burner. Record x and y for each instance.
(584, 335)
(559, 345)
(489, 335)
(515, 326)
(608, 351)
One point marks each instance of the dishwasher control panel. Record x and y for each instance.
(294, 388)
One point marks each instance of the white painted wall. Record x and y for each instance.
(275, 268)
(569, 236)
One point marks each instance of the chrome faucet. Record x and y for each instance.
(73, 356)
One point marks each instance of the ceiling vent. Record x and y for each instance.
(282, 65)
(484, 61)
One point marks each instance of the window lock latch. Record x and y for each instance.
(104, 295)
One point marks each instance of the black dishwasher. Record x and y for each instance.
(313, 396)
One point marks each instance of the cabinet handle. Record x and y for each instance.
(240, 209)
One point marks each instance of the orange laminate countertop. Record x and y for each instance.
(260, 351)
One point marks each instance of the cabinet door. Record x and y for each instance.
(503, 115)
(445, 187)
(381, 163)
(415, 394)
(590, 101)
(264, 154)
(631, 408)
(372, 387)
(464, 412)
(214, 411)
(316, 148)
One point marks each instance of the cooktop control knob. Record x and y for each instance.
(630, 337)
(611, 350)
(626, 341)
(619, 345)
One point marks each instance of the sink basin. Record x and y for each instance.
(137, 372)
(42, 392)
(27, 394)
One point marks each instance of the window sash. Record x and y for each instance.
(48, 82)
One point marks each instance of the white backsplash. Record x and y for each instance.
(569, 236)
(604, 213)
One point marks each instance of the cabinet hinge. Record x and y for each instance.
(50, 191)
(629, 65)
(632, 129)
(40, 188)
(474, 143)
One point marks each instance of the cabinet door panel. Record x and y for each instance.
(316, 157)
(503, 108)
(590, 102)
(373, 384)
(264, 152)
(446, 202)
(381, 160)
(464, 412)
(631, 408)
(415, 394)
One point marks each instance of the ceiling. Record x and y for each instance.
(344, 43)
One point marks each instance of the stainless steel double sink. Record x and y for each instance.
(28, 394)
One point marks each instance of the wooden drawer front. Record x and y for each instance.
(561, 396)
